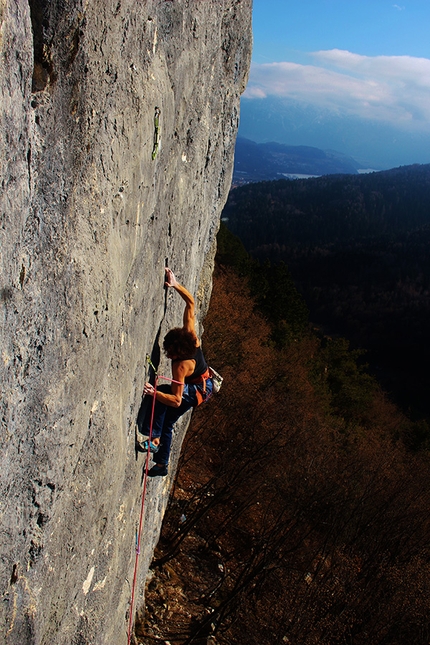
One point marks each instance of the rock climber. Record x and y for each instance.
(191, 385)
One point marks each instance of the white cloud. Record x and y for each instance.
(394, 89)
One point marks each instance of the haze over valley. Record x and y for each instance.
(348, 77)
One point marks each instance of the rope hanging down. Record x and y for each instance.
(142, 511)
(142, 506)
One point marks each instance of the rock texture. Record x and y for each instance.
(88, 221)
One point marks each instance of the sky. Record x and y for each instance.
(363, 60)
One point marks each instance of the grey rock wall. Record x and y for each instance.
(87, 222)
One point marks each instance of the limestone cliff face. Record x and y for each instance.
(88, 221)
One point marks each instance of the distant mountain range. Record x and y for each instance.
(267, 161)
(375, 144)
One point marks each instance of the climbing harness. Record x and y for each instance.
(156, 132)
(202, 394)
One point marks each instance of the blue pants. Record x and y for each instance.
(165, 416)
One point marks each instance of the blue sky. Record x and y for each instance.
(284, 30)
(359, 59)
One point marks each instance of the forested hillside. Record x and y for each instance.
(357, 249)
(300, 513)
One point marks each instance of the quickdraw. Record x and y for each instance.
(151, 364)
(156, 132)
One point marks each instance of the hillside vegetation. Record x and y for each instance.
(357, 249)
(299, 515)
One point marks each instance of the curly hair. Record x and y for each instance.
(180, 343)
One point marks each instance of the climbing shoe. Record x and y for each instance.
(158, 471)
(152, 447)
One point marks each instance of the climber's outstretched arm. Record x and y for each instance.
(189, 311)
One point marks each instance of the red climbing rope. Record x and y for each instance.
(142, 510)
(142, 506)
